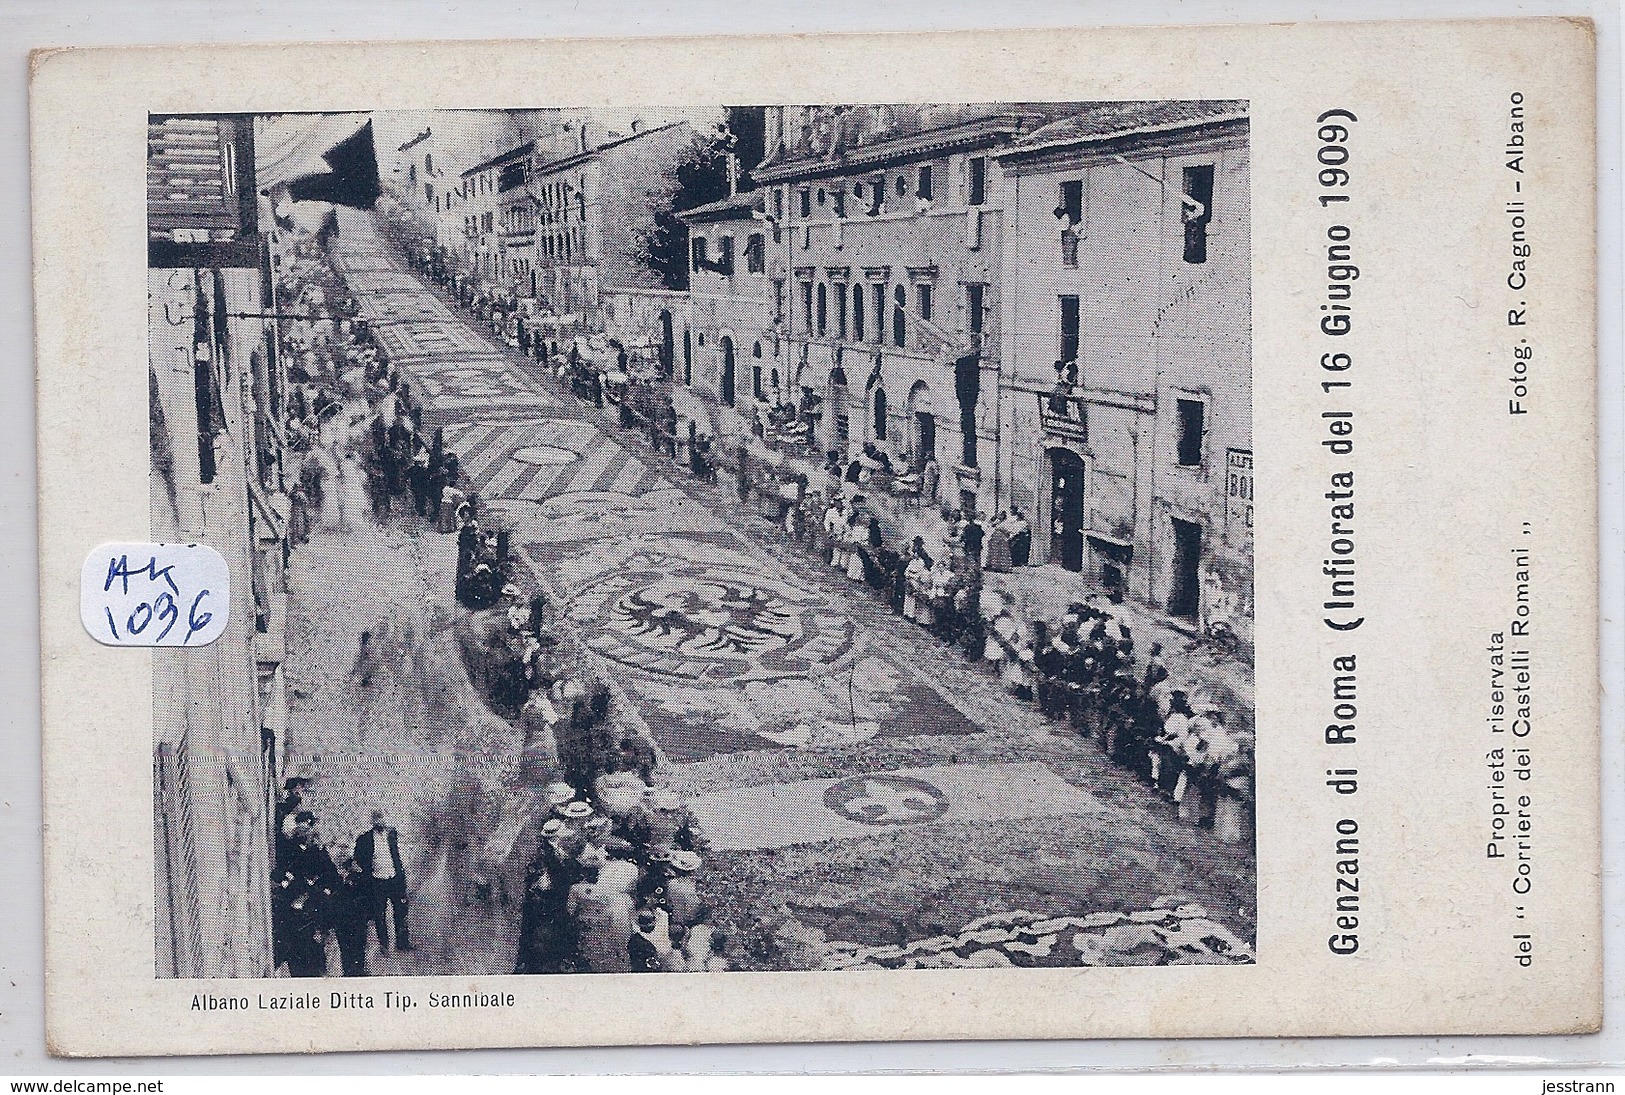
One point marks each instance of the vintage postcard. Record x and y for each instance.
(1074, 534)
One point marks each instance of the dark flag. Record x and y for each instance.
(967, 387)
(353, 180)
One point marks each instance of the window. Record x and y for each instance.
(428, 163)
(1069, 328)
(899, 322)
(1192, 412)
(922, 187)
(880, 414)
(839, 197)
(1070, 209)
(806, 307)
(806, 202)
(778, 300)
(823, 308)
(922, 300)
(700, 249)
(428, 192)
(977, 189)
(725, 256)
(778, 203)
(877, 197)
(756, 349)
(1070, 213)
(821, 196)
(755, 253)
(975, 296)
(902, 186)
(756, 382)
(857, 313)
(879, 295)
(1199, 186)
(840, 311)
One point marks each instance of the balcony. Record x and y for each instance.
(1064, 416)
(1063, 412)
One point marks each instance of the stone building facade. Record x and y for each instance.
(595, 212)
(888, 275)
(733, 353)
(215, 386)
(1126, 423)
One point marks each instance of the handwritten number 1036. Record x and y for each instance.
(162, 609)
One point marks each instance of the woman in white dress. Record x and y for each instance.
(924, 612)
(835, 526)
(914, 578)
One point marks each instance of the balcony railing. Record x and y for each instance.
(1064, 415)
(1064, 412)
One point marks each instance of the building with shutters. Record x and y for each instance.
(215, 390)
(892, 221)
(432, 151)
(595, 213)
(1126, 422)
(734, 351)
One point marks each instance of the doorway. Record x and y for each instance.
(923, 425)
(667, 345)
(688, 356)
(727, 386)
(1185, 590)
(1066, 508)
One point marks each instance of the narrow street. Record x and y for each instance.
(859, 782)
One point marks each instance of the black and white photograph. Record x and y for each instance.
(692, 539)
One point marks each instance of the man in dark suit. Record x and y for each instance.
(385, 877)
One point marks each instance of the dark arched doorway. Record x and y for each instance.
(726, 388)
(1066, 508)
(879, 408)
(688, 356)
(667, 345)
(922, 425)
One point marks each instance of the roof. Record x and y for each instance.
(1110, 121)
(521, 150)
(577, 157)
(735, 207)
(848, 146)
(419, 139)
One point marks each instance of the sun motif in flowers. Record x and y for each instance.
(706, 616)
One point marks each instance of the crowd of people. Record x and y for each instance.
(314, 899)
(1082, 670)
(612, 884)
(612, 887)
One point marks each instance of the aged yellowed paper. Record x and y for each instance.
(1086, 534)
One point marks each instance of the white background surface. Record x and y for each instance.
(26, 24)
